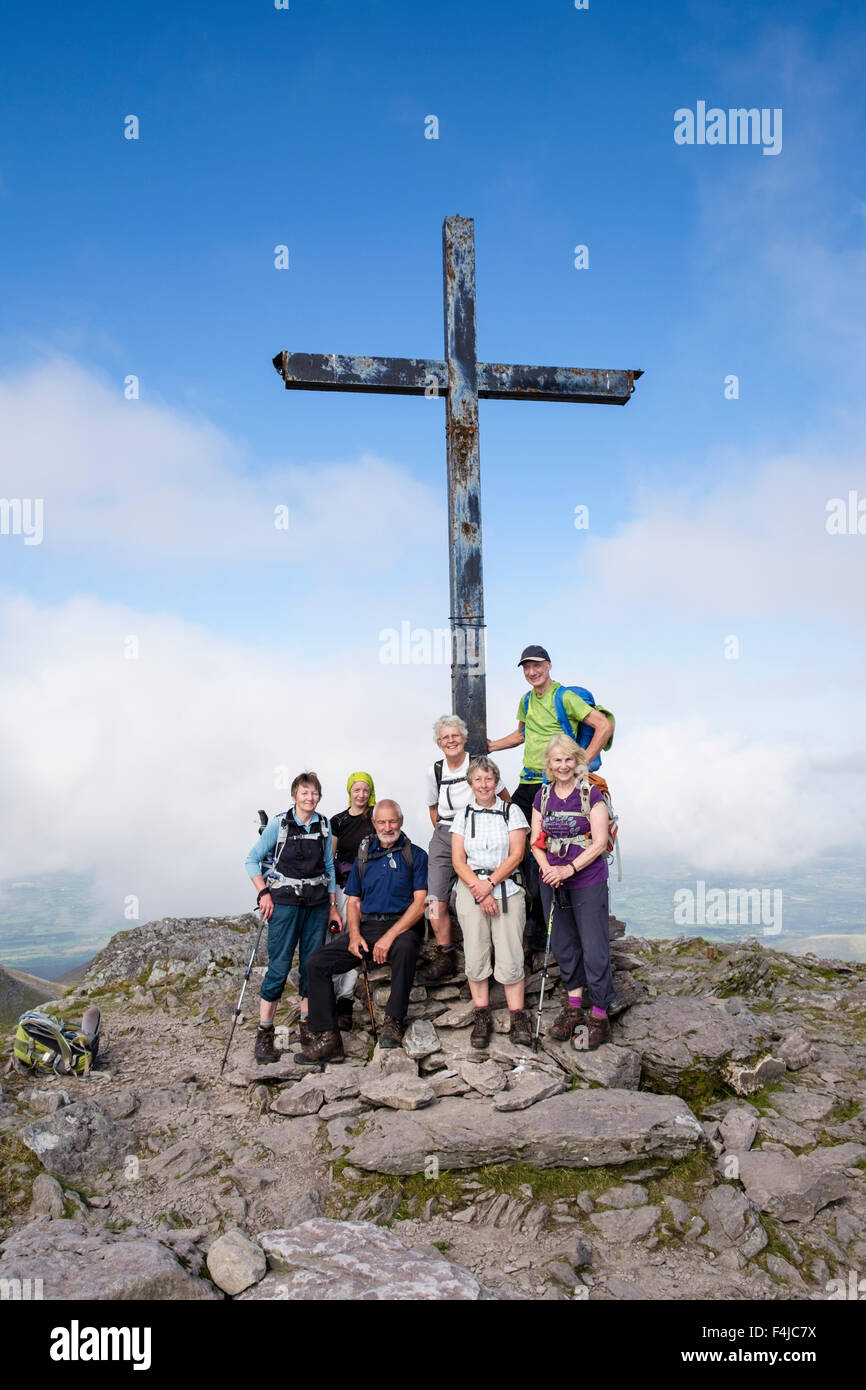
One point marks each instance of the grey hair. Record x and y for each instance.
(449, 721)
(481, 764)
(387, 801)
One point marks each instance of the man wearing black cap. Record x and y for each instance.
(537, 722)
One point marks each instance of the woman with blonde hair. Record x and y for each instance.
(569, 840)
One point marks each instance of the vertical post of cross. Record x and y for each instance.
(468, 690)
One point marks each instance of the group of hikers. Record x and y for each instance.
(356, 886)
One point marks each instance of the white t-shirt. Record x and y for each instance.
(486, 837)
(454, 792)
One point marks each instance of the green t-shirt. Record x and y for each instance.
(541, 724)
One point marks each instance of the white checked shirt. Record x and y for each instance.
(486, 841)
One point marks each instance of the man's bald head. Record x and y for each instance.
(387, 811)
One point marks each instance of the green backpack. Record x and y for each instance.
(44, 1043)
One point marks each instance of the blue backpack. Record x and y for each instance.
(584, 732)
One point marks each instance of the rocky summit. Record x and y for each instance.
(715, 1148)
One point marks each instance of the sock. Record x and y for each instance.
(266, 1025)
(598, 1013)
(575, 998)
(484, 1008)
(449, 947)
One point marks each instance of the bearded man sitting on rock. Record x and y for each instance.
(385, 897)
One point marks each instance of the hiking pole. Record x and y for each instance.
(253, 954)
(369, 998)
(544, 972)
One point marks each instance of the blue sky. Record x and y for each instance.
(155, 257)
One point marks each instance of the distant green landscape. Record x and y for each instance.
(51, 923)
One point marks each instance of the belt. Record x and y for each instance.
(380, 916)
(503, 893)
(299, 882)
(531, 774)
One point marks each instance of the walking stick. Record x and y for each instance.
(263, 820)
(253, 954)
(369, 997)
(544, 972)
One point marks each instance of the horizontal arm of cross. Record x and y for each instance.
(420, 376)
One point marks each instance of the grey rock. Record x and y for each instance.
(509, 1055)
(307, 1207)
(738, 1128)
(561, 1273)
(120, 1104)
(484, 1077)
(78, 1140)
(430, 1065)
(622, 1197)
(793, 1189)
(458, 1016)
(45, 1102)
(246, 1072)
(448, 1083)
(183, 1160)
(303, 1098)
(390, 1061)
(398, 1092)
(340, 1260)
(334, 1109)
(235, 1262)
(627, 1225)
(580, 1129)
(729, 1216)
(109, 1265)
(420, 1039)
(613, 1066)
(803, 1105)
(746, 1080)
(527, 1088)
(780, 1267)
(46, 1197)
(782, 1131)
(796, 1051)
(677, 1033)
(679, 1212)
(848, 1227)
(837, 1155)
(585, 1202)
(536, 1219)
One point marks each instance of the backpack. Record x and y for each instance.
(44, 1043)
(584, 732)
(364, 854)
(270, 860)
(438, 770)
(583, 839)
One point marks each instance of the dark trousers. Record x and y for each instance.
(580, 940)
(536, 923)
(334, 960)
(292, 924)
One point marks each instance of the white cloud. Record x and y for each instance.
(144, 482)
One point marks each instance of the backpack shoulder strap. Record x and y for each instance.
(408, 855)
(545, 798)
(526, 704)
(364, 855)
(437, 772)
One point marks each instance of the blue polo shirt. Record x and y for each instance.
(387, 891)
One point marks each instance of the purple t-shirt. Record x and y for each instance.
(556, 826)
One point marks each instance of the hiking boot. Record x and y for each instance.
(303, 1032)
(392, 1031)
(481, 1029)
(265, 1050)
(520, 1031)
(564, 1024)
(344, 1015)
(441, 966)
(322, 1047)
(599, 1032)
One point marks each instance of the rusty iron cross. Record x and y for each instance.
(462, 380)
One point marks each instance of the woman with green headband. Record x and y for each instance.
(348, 829)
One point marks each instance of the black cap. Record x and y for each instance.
(533, 654)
